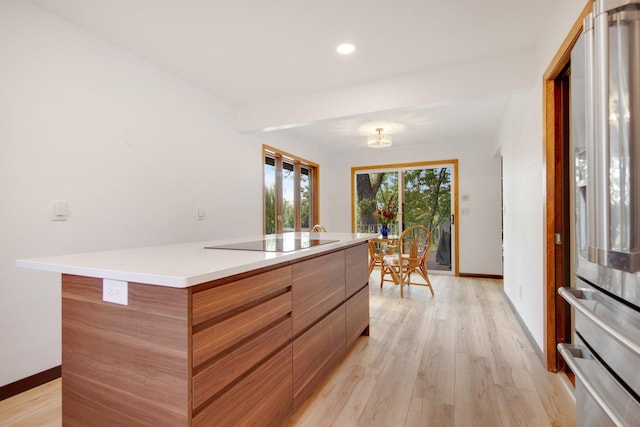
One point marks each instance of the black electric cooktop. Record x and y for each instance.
(275, 244)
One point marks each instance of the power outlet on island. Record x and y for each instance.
(115, 291)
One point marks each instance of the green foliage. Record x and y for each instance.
(288, 216)
(270, 210)
(373, 191)
(427, 197)
(305, 202)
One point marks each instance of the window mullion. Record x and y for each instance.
(279, 193)
(296, 195)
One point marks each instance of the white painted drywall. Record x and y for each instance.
(521, 142)
(131, 149)
(479, 178)
(134, 150)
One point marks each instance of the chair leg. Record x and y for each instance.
(402, 280)
(425, 276)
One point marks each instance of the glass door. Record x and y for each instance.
(417, 194)
(375, 191)
(428, 202)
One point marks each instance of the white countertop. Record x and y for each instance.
(183, 265)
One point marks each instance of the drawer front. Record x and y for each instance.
(219, 336)
(217, 301)
(356, 268)
(263, 398)
(223, 371)
(357, 315)
(316, 352)
(318, 287)
(600, 399)
(609, 327)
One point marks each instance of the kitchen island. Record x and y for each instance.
(183, 335)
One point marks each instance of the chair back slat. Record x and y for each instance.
(412, 252)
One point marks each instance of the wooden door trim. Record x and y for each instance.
(551, 135)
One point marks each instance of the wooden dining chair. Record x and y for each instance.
(318, 228)
(375, 255)
(411, 254)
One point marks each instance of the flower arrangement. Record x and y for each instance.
(386, 213)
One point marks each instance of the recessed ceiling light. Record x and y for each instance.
(345, 48)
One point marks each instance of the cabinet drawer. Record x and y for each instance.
(316, 352)
(318, 287)
(263, 398)
(213, 302)
(228, 368)
(357, 315)
(219, 336)
(356, 268)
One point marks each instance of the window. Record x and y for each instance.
(290, 192)
(418, 194)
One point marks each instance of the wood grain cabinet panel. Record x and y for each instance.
(122, 364)
(217, 337)
(318, 287)
(263, 398)
(357, 315)
(316, 352)
(224, 353)
(357, 268)
(223, 371)
(222, 299)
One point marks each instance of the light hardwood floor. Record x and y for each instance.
(459, 358)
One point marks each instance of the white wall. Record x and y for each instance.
(521, 142)
(479, 178)
(132, 149)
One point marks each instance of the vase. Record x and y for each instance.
(384, 230)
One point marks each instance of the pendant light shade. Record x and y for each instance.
(379, 140)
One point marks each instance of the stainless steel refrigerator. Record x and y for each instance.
(605, 106)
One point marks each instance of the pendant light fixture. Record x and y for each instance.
(379, 140)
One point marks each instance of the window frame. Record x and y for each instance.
(280, 158)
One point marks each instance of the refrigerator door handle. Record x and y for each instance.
(612, 154)
(574, 297)
(570, 353)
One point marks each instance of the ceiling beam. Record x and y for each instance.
(472, 80)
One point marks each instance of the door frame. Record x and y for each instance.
(454, 196)
(552, 135)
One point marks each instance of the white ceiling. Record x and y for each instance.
(251, 51)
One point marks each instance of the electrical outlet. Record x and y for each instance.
(115, 291)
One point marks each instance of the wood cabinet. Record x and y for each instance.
(235, 340)
(318, 288)
(357, 315)
(316, 352)
(123, 364)
(244, 350)
(355, 276)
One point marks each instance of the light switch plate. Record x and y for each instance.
(201, 213)
(59, 211)
(115, 291)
